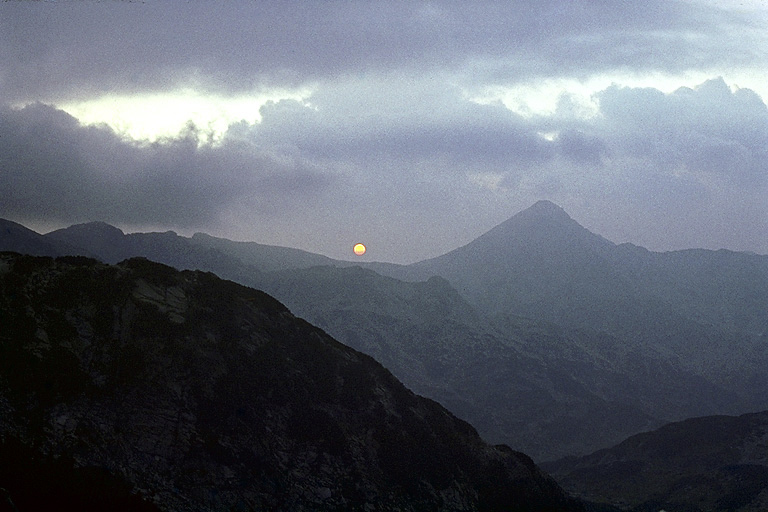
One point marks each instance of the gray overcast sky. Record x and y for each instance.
(410, 126)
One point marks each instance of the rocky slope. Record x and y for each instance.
(201, 394)
(702, 464)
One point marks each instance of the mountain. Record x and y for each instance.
(103, 239)
(542, 334)
(191, 393)
(17, 238)
(110, 245)
(696, 313)
(542, 264)
(534, 386)
(702, 464)
(266, 258)
(429, 336)
(537, 259)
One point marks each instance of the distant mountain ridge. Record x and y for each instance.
(17, 238)
(689, 308)
(550, 338)
(266, 258)
(111, 245)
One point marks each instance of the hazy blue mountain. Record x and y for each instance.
(110, 245)
(266, 258)
(198, 394)
(700, 311)
(542, 264)
(17, 238)
(539, 260)
(545, 390)
(722, 288)
(102, 239)
(702, 464)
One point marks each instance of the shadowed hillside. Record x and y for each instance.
(202, 394)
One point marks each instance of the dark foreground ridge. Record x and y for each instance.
(182, 391)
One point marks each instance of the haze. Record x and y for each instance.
(415, 126)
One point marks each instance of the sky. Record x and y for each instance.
(413, 127)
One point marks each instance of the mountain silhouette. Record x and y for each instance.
(101, 238)
(266, 258)
(110, 245)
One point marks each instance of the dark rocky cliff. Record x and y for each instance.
(200, 394)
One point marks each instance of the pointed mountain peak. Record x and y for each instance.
(543, 218)
(542, 227)
(544, 210)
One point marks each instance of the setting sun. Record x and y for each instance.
(359, 249)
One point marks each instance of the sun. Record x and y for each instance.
(359, 249)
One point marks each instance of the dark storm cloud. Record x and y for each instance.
(239, 46)
(53, 168)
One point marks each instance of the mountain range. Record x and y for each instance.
(139, 387)
(543, 335)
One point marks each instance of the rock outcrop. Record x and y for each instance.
(201, 394)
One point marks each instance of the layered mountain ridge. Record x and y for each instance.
(544, 335)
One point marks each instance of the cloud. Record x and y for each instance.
(683, 169)
(581, 148)
(425, 121)
(81, 50)
(709, 130)
(56, 169)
